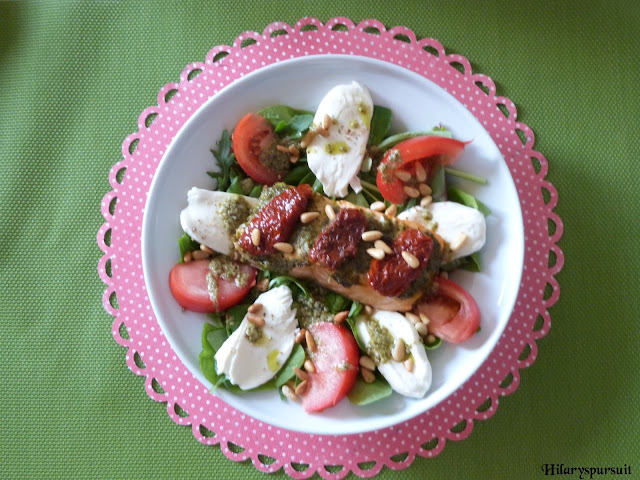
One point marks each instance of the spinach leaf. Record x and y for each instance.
(235, 315)
(206, 359)
(288, 281)
(459, 196)
(295, 360)
(186, 244)
(288, 121)
(336, 302)
(439, 185)
(351, 320)
(364, 393)
(380, 124)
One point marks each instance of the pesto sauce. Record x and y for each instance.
(222, 267)
(274, 159)
(312, 309)
(234, 211)
(253, 333)
(381, 342)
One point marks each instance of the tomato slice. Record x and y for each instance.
(252, 136)
(453, 313)
(427, 150)
(188, 284)
(336, 365)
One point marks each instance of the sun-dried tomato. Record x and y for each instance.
(392, 275)
(339, 240)
(276, 220)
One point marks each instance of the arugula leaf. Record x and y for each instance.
(380, 124)
(187, 244)
(297, 173)
(351, 320)
(295, 360)
(459, 196)
(236, 187)
(226, 161)
(364, 393)
(356, 308)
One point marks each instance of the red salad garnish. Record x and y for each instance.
(393, 275)
(339, 240)
(276, 220)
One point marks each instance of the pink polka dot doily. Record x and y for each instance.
(241, 436)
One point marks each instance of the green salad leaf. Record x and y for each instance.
(295, 360)
(460, 196)
(380, 124)
(186, 244)
(364, 393)
(226, 162)
(287, 121)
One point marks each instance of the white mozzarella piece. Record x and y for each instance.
(248, 364)
(452, 221)
(336, 158)
(202, 221)
(410, 384)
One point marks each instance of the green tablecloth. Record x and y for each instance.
(75, 76)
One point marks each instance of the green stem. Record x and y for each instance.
(369, 185)
(400, 137)
(467, 176)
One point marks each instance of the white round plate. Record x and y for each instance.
(417, 103)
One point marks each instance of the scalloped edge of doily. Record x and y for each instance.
(459, 431)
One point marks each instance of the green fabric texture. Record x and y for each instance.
(74, 78)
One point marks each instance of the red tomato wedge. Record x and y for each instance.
(188, 284)
(254, 134)
(426, 150)
(336, 365)
(453, 313)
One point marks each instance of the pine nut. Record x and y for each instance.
(368, 309)
(424, 189)
(371, 235)
(431, 339)
(341, 316)
(302, 387)
(257, 320)
(444, 274)
(421, 173)
(367, 375)
(392, 211)
(322, 131)
(426, 201)
(367, 362)
(377, 206)
(328, 209)
(255, 308)
(458, 242)
(283, 247)
(399, 351)
(308, 217)
(326, 121)
(424, 319)
(255, 237)
(206, 249)
(199, 255)
(262, 285)
(300, 335)
(402, 175)
(187, 257)
(408, 364)
(412, 192)
(282, 148)
(294, 158)
(376, 253)
(412, 317)
(288, 392)
(383, 246)
(301, 374)
(311, 343)
(421, 328)
(294, 151)
(308, 366)
(411, 259)
(307, 139)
